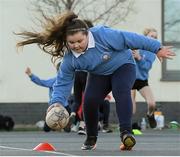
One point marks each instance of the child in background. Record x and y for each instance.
(48, 83)
(144, 60)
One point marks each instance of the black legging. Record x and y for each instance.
(79, 87)
(104, 110)
(98, 86)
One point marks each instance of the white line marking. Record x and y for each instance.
(5, 147)
(52, 152)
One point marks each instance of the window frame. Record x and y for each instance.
(168, 75)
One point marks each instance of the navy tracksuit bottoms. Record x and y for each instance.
(98, 86)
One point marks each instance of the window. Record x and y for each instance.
(171, 36)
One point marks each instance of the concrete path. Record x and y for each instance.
(150, 143)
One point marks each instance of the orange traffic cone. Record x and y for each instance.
(44, 147)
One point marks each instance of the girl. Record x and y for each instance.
(48, 83)
(144, 61)
(103, 52)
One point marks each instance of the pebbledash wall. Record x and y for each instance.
(30, 113)
(27, 103)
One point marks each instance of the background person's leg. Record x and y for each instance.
(133, 97)
(149, 98)
(147, 94)
(105, 112)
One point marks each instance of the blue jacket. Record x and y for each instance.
(111, 50)
(44, 83)
(144, 65)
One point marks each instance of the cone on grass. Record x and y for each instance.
(44, 147)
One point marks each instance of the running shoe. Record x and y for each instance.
(106, 129)
(128, 141)
(90, 143)
(82, 130)
(74, 128)
(152, 121)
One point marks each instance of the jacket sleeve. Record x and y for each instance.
(119, 40)
(63, 84)
(146, 60)
(45, 83)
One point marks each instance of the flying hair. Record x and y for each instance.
(52, 38)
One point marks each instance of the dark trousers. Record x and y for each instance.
(104, 110)
(79, 87)
(98, 86)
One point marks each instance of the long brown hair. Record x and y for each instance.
(52, 39)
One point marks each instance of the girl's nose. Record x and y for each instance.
(76, 45)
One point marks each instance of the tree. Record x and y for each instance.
(109, 12)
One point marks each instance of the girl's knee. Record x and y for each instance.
(151, 104)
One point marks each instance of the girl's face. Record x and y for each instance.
(152, 35)
(77, 42)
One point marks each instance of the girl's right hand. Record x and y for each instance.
(53, 105)
(28, 71)
(165, 52)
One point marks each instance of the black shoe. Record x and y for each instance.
(106, 129)
(46, 128)
(90, 143)
(128, 141)
(82, 131)
(82, 128)
(67, 129)
(152, 121)
(136, 126)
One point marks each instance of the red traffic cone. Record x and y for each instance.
(44, 147)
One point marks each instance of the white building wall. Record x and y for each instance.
(15, 85)
(148, 13)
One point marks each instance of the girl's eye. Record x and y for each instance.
(70, 42)
(79, 41)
